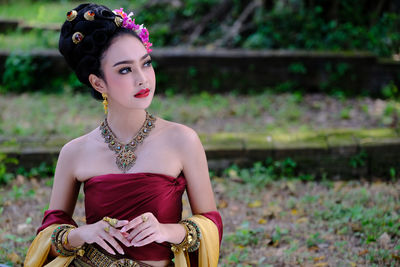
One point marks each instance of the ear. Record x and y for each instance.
(98, 83)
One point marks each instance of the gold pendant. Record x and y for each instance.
(125, 159)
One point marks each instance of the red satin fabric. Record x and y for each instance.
(126, 196)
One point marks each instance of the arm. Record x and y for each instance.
(63, 198)
(65, 187)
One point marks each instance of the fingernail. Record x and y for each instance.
(123, 229)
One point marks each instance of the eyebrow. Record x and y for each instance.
(130, 61)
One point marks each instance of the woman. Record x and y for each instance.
(134, 166)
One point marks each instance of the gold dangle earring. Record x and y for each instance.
(105, 102)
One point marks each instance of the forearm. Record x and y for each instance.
(74, 239)
(175, 233)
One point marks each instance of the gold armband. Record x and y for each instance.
(191, 242)
(59, 239)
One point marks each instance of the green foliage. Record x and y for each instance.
(262, 174)
(392, 173)
(300, 24)
(353, 214)
(279, 234)
(43, 170)
(297, 68)
(390, 91)
(245, 236)
(5, 176)
(314, 239)
(295, 25)
(359, 159)
(19, 72)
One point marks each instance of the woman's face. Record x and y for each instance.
(128, 73)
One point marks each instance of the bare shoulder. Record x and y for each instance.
(69, 153)
(180, 135)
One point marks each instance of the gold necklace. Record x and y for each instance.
(125, 156)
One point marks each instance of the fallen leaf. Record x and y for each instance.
(262, 221)
(319, 258)
(363, 252)
(302, 220)
(268, 241)
(338, 185)
(397, 257)
(14, 257)
(356, 226)
(222, 204)
(291, 186)
(321, 264)
(293, 212)
(353, 264)
(255, 204)
(313, 248)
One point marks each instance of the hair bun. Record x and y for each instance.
(84, 37)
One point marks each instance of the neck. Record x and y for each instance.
(126, 124)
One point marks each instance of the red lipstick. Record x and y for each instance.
(143, 93)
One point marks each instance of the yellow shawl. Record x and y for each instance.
(209, 244)
(208, 250)
(40, 248)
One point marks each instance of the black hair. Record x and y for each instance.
(85, 57)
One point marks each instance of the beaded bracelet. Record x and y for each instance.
(191, 242)
(59, 238)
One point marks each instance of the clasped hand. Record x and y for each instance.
(140, 231)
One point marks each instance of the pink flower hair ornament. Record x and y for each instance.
(140, 30)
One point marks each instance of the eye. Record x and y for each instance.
(125, 70)
(148, 63)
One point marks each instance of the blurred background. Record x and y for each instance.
(297, 104)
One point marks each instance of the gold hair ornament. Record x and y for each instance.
(89, 15)
(71, 15)
(77, 37)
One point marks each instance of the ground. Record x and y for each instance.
(285, 222)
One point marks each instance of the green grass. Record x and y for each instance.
(73, 114)
(39, 39)
(49, 12)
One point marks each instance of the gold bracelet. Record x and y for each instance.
(59, 239)
(191, 242)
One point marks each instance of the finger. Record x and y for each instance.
(121, 223)
(142, 235)
(118, 235)
(112, 242)
(104, 245)
(137, 230)
(132, 224)
(146, 241)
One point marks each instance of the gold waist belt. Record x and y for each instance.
(99, 259)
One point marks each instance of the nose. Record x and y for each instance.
(141, 78)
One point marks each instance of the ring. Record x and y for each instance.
(112, 222)
(144, 218)
(107, 229)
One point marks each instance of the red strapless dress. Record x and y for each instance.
(126, 196)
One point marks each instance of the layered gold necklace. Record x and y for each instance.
(125, 152)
